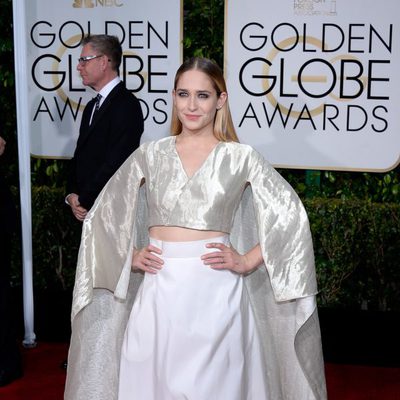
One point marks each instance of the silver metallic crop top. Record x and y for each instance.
(214, 198)
(206, 201)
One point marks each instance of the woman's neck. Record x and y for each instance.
(199, 138)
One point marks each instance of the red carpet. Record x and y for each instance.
(44, 378)
(357, 382)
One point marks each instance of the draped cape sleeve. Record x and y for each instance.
(110, 231)
(283, 232)
(282, 290)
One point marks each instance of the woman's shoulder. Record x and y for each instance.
(242, 149)
(236, 146)
(247, 154)
(160, 145)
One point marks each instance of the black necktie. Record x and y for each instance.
(96, 106)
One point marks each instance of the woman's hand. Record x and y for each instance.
(145, 260)
(229, 258)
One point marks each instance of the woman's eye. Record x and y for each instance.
(182, 94)
(203, 95)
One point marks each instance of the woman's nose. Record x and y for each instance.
(192, 102)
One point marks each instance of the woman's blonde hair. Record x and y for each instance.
(223, 124)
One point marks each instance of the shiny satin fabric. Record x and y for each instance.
(282, 292)
(209, 199)
(289, 330)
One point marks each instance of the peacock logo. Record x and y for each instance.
(83, 4)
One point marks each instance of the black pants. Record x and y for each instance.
(10, 359)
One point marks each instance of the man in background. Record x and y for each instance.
(10, 358)
(111, 126)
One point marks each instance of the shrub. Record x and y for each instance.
(356, 246)
(55, 241)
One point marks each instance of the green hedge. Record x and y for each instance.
(55, 237)
(357, 248)
(356, 243)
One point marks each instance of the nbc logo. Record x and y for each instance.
(96, 3)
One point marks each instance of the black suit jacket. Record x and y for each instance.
(104, 145)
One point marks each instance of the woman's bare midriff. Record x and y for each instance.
(178, 234)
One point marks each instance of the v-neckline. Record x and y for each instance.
(201, 165)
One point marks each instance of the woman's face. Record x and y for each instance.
(196, 102)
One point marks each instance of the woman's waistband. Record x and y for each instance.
(195, 248)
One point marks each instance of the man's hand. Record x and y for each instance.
(2, 145)
(77, 209)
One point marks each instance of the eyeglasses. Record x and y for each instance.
(86, 59)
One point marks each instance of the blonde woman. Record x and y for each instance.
(226, 309)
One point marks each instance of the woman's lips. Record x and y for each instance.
(192, 117)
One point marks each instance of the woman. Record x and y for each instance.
(227, 308)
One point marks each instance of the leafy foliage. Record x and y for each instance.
(356, 246)
(7, 93)
(56, 236)
(204, 29)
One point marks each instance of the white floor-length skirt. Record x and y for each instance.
(191, 333)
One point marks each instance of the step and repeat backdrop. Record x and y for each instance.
(315, 84)
(150, 35)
